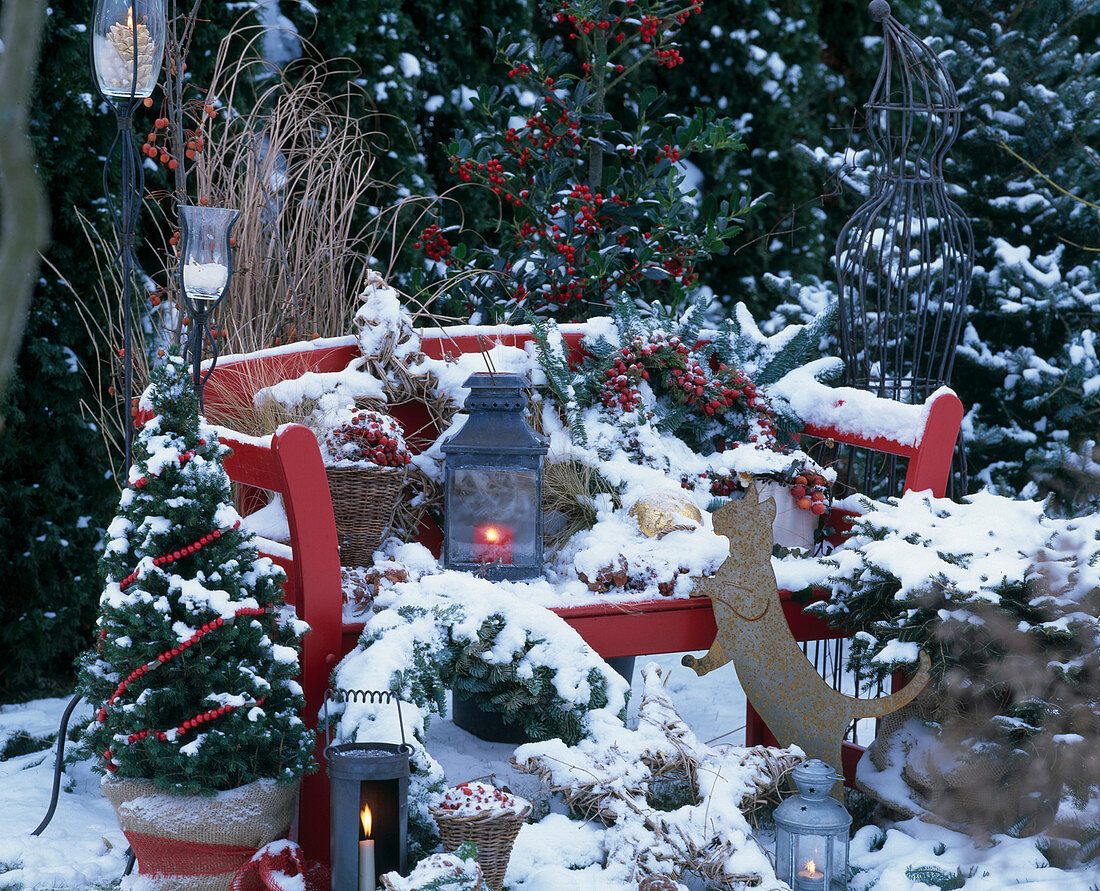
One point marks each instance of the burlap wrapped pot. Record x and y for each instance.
(197, 842)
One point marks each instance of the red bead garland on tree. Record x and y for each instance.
(165, 559)
(190, 723)
(184, 457)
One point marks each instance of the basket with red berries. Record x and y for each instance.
(365, 461)
(488, 817)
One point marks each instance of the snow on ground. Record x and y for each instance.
(82, 848)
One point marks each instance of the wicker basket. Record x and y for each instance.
(363, 501)
(493, 832)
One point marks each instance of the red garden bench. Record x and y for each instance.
(289, 463)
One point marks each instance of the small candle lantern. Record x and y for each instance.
(206, 265)
(492, 496)
(369, 804)
(811, 832)
(127, 47)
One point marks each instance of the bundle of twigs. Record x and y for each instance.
(397, 360)
(615, 784)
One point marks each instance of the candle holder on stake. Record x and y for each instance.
(492, 491)
(811, 832)
(369, 801)
(126, 54)
(206, 266)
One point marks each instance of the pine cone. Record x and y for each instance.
(118, 68)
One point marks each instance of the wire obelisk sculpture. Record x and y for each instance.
(904, 259)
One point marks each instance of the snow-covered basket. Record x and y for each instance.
(365, 461)
(198, 842)
(487, 817)
(363, 502)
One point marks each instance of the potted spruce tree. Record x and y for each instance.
(197, 725)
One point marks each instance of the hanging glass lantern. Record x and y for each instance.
(127, 47)
(492, 496)
(206, 266)
(811, 832)
(369, 803)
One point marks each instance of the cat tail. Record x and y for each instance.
(715, 658)
(884, 705)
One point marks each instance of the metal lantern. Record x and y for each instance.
(492, 496)
(811, 832)
(206, 266)
(127, 47)
(369, 803)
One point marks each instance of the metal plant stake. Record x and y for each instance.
(904, 259)
(126, 53)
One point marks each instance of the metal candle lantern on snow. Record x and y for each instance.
(811, 832)
(206, 265)
(492, 495)
(127, 50)
(369, 802)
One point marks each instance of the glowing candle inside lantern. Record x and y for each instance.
(810, 878)
(204, 281)
(366, 854)
(493, 543)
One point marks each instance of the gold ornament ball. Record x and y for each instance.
(662, 513)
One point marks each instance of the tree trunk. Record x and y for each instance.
(25, 224)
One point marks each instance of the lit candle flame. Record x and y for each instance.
(811, 867)
(130, 18)
(365, 819)
(492, 535)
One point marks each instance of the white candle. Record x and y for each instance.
(366, 853)
(204, 281)
(366, 865)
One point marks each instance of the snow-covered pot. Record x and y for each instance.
(197, 842)
(793, 527)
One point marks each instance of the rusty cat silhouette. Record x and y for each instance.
(780, 682)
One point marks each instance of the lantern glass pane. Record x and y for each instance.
(492, 515)
(838, 874)
(811, 862)
(118, 27)
(784, 854)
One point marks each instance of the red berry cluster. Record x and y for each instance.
(468, 797)
(620, 390)
(434, 244)
(812, 491)
(679, 373)
(668, 151)
(156, 144)
(668, 58)
(369, 437)
(695, 8)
